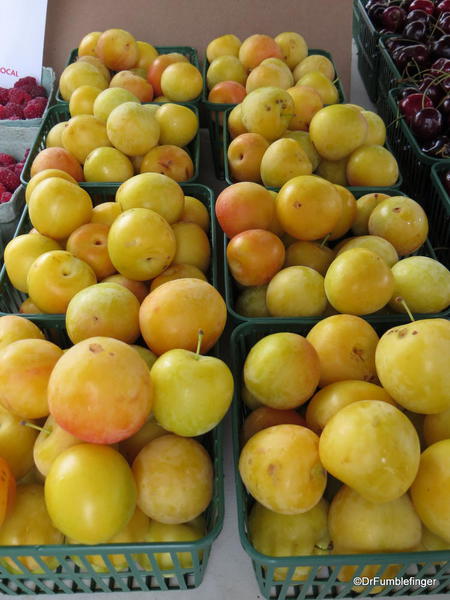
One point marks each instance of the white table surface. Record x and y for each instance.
(229, 574)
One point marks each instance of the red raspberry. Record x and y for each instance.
(5, 197)
(9, 179)
(13, 110)
(2, 189)
(36, 90)
(35, 108)
(7, 160)
(19, 96)
(4, 96)
(25, 81)
(17, 168)
(2, 112)
(15, 118)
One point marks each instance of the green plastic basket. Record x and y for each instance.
(366, 39)
(60, 112)
(68, 577)
(383, 316)
(229, 180)
(439, 215)
(215, 113)
(414, 164)
(190, 53)
(322, 581)
(11, 299)
(368, 74)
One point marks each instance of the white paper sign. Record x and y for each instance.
(22, 30)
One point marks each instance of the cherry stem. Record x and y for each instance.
(405, 306)
(201, 334)
(325, 240)
(34, 426)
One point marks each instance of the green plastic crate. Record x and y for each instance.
(384, 316)
(367, 72)
(11, 299)
(229, 180)
(69, 578)
(439, 215)
(366, 37)
(215, 114)
(414, 164)
(322, 581)
(60, 112)
(190, 53)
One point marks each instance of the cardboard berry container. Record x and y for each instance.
(11, 298)
(48, 82)
(385, 316)
(189, 52)
(321, 579)
(13, 141)
(60, 112)
(216, 113)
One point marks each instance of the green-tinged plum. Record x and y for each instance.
(358, 282)
(267, 111)
(90, 493)
(282, 370)
(275, 534)
(296, 292)
(412, 365)
(431, 489)
(422, 283)
(372, 447)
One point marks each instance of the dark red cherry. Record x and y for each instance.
(440, 66)
(393, 18)
(441, 47)
(425, 5)
(412, 104)
(443, 24)
(376, 14)
(426, 124)
(407, 91)
(432, 90)
(416, 30)
(442, 7)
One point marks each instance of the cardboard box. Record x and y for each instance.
(325, 24)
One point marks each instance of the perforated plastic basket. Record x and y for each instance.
(384, 316)
(230, 181)
(322, 580)
(11, 299)
(439, 215)
(366, 37)
(60, 112)
(73, 573)
(190, 53)
(215, 114)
